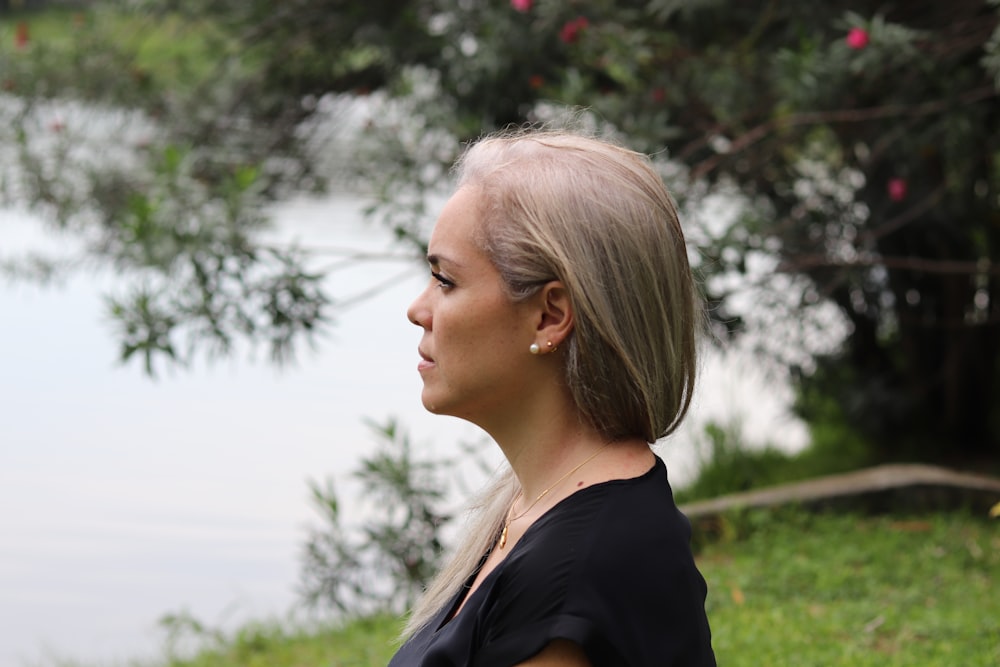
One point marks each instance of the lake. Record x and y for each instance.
(123, 498)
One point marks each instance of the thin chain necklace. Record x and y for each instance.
(510, 519)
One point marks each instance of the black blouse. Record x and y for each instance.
(608, 568)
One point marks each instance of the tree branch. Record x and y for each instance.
(759, 132)
(921, 264)
(907, 216)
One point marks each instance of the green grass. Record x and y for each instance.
(800, 589)
(360, 644)
(785, 588)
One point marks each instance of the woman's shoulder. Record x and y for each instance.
(642, 506)
(615, 556)
(605, 526)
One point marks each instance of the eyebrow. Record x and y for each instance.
(437, 259)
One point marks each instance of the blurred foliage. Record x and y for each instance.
(384, 564)
(786, 587)
(730, 464)
(853, 141)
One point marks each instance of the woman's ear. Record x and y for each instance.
(556, 321)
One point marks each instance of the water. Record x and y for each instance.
(124, 498)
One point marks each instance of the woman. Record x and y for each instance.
(561, 318)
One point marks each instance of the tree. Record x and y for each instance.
(857, 137)
(158, 136)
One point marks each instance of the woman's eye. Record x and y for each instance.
(442, 281)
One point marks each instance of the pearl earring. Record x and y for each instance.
(534, 349)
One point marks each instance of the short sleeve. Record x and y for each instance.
(531, 639)
(613, 573)
(609, 569)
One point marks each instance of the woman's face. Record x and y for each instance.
(475, 362)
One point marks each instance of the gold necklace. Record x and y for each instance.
(510, 519)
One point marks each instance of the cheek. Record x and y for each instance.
(481, 332)
(467, 339)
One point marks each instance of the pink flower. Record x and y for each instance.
(570, 31)
(522, 5)
(857, 38)
(21, 37)
(897, 189)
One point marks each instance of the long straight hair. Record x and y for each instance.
(598, 218)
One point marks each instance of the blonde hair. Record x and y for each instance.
(597, 217)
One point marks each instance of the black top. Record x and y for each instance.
(608, 568)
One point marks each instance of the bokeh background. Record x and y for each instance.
(213, 216)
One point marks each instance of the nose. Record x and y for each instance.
(418, 313)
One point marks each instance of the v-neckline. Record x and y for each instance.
(461, 600)
(465, 594)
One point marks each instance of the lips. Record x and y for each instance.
(425, 361)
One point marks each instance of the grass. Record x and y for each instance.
(803, 589)
(785, 588)
(363, 643)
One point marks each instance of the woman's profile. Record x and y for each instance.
(561, 317)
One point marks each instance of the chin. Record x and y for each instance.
(430, 404)
(436, 406)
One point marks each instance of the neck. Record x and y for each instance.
(543, 436)
(543, 439)
(561, 461)
(542, 448)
